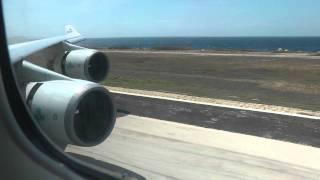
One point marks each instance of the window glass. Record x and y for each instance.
(197, 86)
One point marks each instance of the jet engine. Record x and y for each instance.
(72, 112)
(85, 64)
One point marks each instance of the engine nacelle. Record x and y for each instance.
(72, 112)
(85, 64)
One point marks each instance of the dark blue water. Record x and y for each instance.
(307, 44)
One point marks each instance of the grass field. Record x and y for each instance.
(284, 81)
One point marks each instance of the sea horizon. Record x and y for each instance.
(241, 43)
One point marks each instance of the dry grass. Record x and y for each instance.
(290, 82)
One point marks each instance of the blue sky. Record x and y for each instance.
(138, 18)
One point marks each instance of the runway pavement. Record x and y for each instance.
(168, 150)
(162, 138)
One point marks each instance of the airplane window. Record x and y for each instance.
(174, 89)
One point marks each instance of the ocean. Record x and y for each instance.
(292, 44)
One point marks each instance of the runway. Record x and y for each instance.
(161, 138)
(160, 149)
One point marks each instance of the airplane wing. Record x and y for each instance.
(65, 99)
(22, 50)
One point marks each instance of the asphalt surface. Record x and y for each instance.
(268, 125)
(169, 150)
